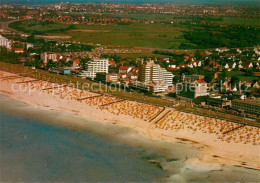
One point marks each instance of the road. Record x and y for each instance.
(5, 25)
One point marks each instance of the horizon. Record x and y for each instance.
(45, 2)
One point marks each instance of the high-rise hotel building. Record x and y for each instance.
(93, 67)
(149, 71)
(153, 78)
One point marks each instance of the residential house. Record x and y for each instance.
(29, 45)
(76, 63)
(240, 66)
(234, 88)
(213, 64)
(133, 74)
(247, 84)
(112, 78)
(124, 69)
(198, 63)
(172, 68)
(256, 65)
(226, 66)
(226, 86)
(233, 65)
(111, 63)
(191, 78)
(18, 50)
(248, 65)
(104, 77)
(190, 65)
(256, 85)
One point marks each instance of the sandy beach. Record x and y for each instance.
(214, 138)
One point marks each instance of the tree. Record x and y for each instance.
(69, 63)
(249, 72)
(28, 63)
(173, 95)
(234, 80)
(49, 64)
(200, 99)
(197, 55)
(208, 76)
(38, 63)
(177, 78)
(83, 62)
(223, 75)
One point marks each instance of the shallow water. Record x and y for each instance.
(32, 151)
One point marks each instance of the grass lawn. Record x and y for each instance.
(137, 55)
(241, 75)
(242, 21)
(134, 35)
(48, 27)
(31, 26)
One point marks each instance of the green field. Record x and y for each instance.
(42, 28)
(241, 75)
(134, 35)
(137, 55)
(164, 36)
(250, 21)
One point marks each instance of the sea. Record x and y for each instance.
(42, 145)
(32, 151)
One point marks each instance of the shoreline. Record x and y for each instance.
(176, 160)
(214, 151)
(158, 153)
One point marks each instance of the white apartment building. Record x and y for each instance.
(148, 71)
(201, 88)
(49, 56)
(93, 67)
(5, 42)
(153, 78)
(167, 77)
(192, 89)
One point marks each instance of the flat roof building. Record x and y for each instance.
(153, 86)
(5, 42)
(93, 67)
(251, 106)
(192, 90)
(46, 56)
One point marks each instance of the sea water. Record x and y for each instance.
(32, 151)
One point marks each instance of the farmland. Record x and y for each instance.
(183, 33)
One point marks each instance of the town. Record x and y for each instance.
(221, 79)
